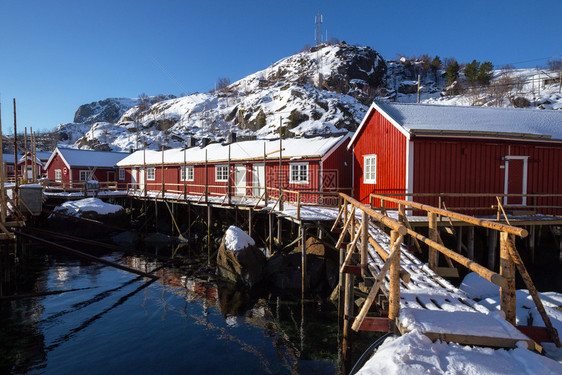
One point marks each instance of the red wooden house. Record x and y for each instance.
(8, 160)
(39, 163)
(307, 164)
(415, 148)
(69, 166)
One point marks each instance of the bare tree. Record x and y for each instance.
(223, 83)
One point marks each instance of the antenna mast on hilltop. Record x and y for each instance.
(318, 19)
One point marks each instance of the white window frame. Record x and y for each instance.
(221, 173)
(150, 174)
(80, 174)
(187, 173)
(370, 169)
(58, 175)
(299, 169)
(121, 174)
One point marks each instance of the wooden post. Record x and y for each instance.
(459, 240)
(24, 174)
(532, 243)
(229, 178)
(162, 174)
(265, 193)
(206, 178)
(364, 244)
(185, 173)
(270, 227)
(250, 222)
(3, 205)
(208, 234)
(303, 259)
(507, 270)
(419, 87)
(279, 232)
(492, 245)
(347, 320)
(470, 243)
(280, 161)
(433, 253)
(394, 279)
(144, 166)
(16, 186)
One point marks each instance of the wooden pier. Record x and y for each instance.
(411, 295)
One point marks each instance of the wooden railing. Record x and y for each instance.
(358, 231)
(485, 203)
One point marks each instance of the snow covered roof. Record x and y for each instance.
(429, 119)
(293, 148)
(9, 158)
(88, 158)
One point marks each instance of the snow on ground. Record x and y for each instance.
(235, 239)
(79, 207)
(414, 353)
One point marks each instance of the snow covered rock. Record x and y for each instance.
(89, 208)
(238, 259)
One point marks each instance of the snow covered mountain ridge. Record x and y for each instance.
(325, 89)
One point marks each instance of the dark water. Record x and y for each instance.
(117, 323)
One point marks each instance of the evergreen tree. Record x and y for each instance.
(485, 73)
(471, 72)
(435, 65)
(452, 72)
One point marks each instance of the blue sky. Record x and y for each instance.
(57, 55)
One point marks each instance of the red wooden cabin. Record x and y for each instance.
(307, 164)
(417, 148)
(68, 166)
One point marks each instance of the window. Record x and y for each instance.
(121, 173)
(84, 175)
(370, 169)
(221, 173)
(58, 175)
(299, 173)
(10, 168)
(151, 173)
(187, 173)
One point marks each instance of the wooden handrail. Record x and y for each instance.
(387, 221)
(468, 219)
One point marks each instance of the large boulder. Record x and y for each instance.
(238, 259)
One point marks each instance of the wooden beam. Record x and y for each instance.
(507, 270)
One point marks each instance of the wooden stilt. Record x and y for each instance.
(250, 222)
(532, 244)
(433, 254)
(347, 319)
(492, 245)
(270, 228)
(364, 243)
(394, 278)
(303, 260)
(208, 234)
(459, 240)
(470, 243)
(507, 270)
(279, 233)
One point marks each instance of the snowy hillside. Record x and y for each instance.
(323, 90)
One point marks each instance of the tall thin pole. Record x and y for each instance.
(265, 175)
(162, 174)
(280, 159)
(24, 174)
(419, 89)
(229, 181)
(3, 206)
(206, 179)
(144, 166)
(16, 187)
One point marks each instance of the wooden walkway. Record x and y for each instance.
(410, 295)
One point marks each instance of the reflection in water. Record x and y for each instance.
(184, 322)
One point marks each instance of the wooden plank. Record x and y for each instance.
(353, 270)
(495, 342)
(447, 272)
(379, 324)
(538, 334)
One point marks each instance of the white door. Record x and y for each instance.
(258, 180)
(134, 178)
(240, 180)
(515, 180)
(141, 178)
